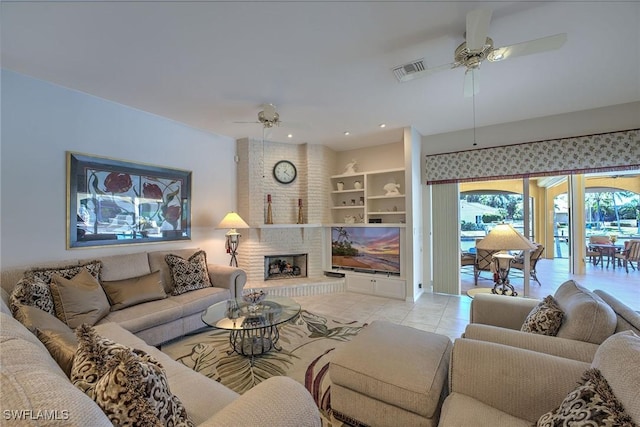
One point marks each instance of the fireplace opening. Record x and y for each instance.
(288, 266)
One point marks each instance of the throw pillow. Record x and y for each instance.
(79, 300)
(61, 346)
(136, 392)
(188, 274)
(57, 337)
(136, 290)
(68, 272)
(128, 384)
(592, 403)
(545, 318)
(91, 356)
(32, 292)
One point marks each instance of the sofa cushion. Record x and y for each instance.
(544, 319)
(618, 359)
(628, 319)
(188, 274)
(31, 380)
(592, 403)
(146, 315)
(118, 267)
(135, 290)
(56, 336)
(79, 300)
(33, 292)
(586, 316)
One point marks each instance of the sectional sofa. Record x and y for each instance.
(35, 383)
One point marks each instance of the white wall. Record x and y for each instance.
(41, 121)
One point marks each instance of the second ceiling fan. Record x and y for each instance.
(476, 48)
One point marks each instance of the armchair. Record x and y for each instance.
(534, 256)
(482, 262)
(589, 318)
(525, 385)
(629, 254)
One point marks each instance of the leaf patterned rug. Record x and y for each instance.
(307, 342)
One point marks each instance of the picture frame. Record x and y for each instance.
(116, 202)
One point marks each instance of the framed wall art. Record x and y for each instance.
(114, 202)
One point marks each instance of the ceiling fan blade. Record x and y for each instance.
(418, 74)
(527, 48)
(471, 82)
(477, 28)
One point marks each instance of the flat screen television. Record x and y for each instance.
(366, 249)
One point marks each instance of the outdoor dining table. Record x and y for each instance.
(607, 249)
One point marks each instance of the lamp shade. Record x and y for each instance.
(504, 237)
(232, 220)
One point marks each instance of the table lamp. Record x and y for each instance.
(504, 238)
(232, 221)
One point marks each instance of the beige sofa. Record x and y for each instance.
(589, 318)
(496, 385)
(36, 392)
(161, 320)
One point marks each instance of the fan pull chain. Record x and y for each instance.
(473, 100)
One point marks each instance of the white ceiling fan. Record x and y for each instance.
(268, 117)
(476, 48)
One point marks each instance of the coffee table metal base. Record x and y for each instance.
(254, 342)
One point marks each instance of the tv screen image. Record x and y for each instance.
(371, 249)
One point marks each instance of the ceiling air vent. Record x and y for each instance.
(404, 72)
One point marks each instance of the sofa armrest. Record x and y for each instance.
(562, 347)
(498, 310)
(522, 383)
(232, 278)
(278, 401)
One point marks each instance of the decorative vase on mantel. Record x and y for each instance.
(269, 219)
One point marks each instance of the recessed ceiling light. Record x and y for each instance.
(290, 136)
(382, 125)
(347, 133)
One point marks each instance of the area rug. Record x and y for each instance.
(307, 342)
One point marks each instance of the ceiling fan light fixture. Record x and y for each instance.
(347, 133)
(382, 125)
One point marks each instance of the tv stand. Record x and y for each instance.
(380, 284)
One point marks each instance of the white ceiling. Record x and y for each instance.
(324, 64)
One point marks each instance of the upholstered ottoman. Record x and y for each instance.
(390, 375)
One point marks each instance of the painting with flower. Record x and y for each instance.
(117, 202)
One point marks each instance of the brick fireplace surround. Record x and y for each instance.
(314, 163)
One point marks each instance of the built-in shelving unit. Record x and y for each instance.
(362, 198)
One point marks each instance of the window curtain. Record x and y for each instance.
(446, 238)
(584, 154)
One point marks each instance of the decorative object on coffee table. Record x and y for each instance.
(232, 221)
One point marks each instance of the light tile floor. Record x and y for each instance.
(443, 314)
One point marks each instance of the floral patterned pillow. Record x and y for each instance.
(545, 318)
(188, 274)
(592, 403)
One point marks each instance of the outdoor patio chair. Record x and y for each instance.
(534, 256)
(630, 254)
(483, 261)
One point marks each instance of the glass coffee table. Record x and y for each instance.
(253, 329)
